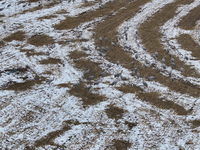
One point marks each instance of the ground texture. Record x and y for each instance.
(99, 75)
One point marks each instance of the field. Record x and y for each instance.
(99, 74)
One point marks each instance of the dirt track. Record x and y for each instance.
(130, 106)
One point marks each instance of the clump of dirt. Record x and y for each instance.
(40, 40)
(130, 124)
(119, 145)
(195, 123)
(88, 98)
(114, 112)
(18, 36)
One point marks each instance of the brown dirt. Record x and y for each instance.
(195, 123)
(129, 88)
(47, 17)
(187, 43)
(28, 84)
(48, 139)
(153, 98)
(21, 2)
(31, 52)
(84, 65)
(119, 145)
(73, 41)
(19, 36)
(130, 124)
(51, 61)
(88, 98)
(72, 22)
(47, 72)
(31, 10)
(77, 54)
(40, 40)
(149, 33)
(114, 112)
(188, 22)
(90, 3)
(38, 7)
(31, 1)
(65, 85)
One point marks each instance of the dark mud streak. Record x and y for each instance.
(189, 21)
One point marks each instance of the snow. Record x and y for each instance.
(49, 106)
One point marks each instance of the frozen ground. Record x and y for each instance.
(39, 115)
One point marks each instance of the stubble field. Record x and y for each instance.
(97, 75)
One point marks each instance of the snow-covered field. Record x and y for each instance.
(52, 94)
